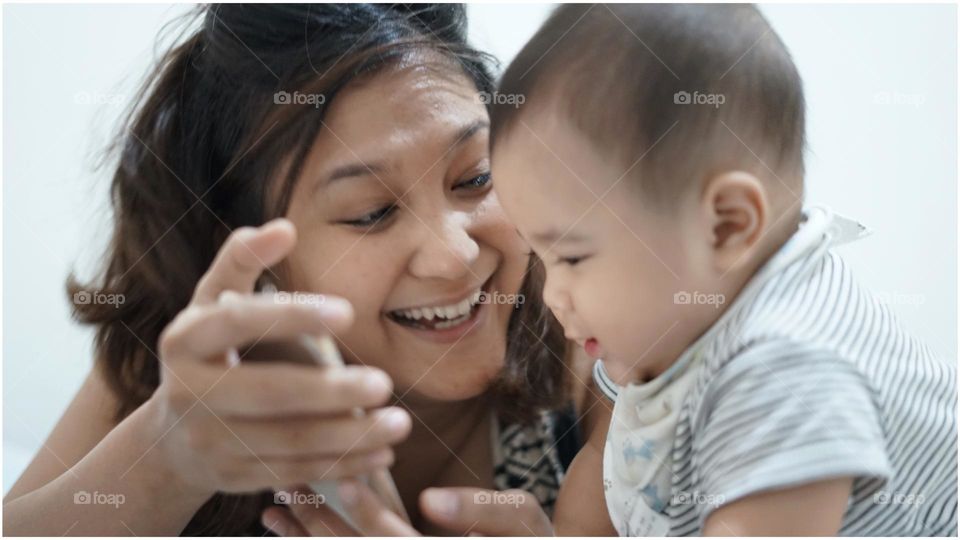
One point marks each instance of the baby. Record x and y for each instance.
(656, 167)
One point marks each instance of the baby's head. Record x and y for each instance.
(655, 162)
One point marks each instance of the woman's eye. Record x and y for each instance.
(476, 182)
(572, 261)
(373, 218)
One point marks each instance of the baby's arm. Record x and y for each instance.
(814, 509)
(581, 508)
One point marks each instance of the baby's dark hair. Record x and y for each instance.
(678, 92)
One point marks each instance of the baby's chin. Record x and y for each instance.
(625, 372)
(622, 373)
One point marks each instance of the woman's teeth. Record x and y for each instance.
(445, 316)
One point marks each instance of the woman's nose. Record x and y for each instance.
(446, 249)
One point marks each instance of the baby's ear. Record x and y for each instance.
(736, 209)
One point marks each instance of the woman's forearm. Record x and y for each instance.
(121, 487)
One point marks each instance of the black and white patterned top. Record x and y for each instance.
(535, 457)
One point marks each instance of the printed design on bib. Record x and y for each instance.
(636, 458)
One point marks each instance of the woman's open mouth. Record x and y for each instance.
(444, 321)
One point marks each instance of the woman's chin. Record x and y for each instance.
(453, 381)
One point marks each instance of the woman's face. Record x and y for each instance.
(395, 212)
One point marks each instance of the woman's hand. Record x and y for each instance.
(459, 511)
(233, 426)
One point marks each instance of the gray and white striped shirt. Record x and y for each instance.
(808, 376)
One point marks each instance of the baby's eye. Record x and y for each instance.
(477, 182)
(373, 218)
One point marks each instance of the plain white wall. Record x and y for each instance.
(881, 90)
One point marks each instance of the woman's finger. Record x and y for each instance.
(243, 257)
(281, 522)
(300, 435)
(207, 331)
(277, 389)
(246, 474)
(489, 513)
(313, 516)
(369, 514)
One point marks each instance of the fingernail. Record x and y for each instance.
(441, 502)
(347, 490)
(276, 526)
(333, 306)
(276, 222)
(233, 358)
(377, 382)
(396, 420)
(228, 297)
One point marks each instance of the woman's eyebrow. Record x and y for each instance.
(374, 169)
(468, 131)
(354, 169)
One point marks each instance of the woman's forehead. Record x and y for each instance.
(391, 117)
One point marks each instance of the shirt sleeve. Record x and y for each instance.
(606, 385)
(782, 415)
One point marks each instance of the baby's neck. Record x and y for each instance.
(685, 332)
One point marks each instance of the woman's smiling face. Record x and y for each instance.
(395, 212)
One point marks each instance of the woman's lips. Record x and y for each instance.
(592, 346)
(451, 334)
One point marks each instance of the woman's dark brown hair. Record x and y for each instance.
(193, 158)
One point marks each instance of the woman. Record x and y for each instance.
(360, 125)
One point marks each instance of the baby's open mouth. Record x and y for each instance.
(440, 317)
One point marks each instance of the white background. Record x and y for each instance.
(881, 91)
